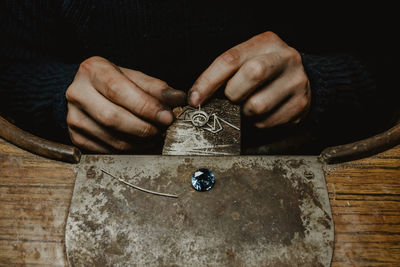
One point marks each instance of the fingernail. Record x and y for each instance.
(194, 98)
(165, 117)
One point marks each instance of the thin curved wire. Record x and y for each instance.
(139, 188)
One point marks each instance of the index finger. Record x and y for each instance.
(156, 87)
(222, 69)
(117, 88)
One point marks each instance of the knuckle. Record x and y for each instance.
(301, 83)
(112, 89)
(74, 120)
(266, 36)
(146, 131)
(231, 57)
(70, 95)
(256, 106)
(302, 104)
(72, 136)
(148, 109)
(230, 95)
(95, 60)
(293, 55)
(85, 67)
(269, 34)
(73, 94)
(270, 41)
(70, 119)
(303, 79)
(201, 84)
(299, 107)
(143, 108)
(109, 118)
(77, 140)
(89, 64)
(255, 69)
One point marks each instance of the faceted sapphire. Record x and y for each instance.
(203, 179)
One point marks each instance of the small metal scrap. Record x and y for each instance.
(139, 188)
(200, 118)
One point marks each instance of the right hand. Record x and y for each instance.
(112, 108)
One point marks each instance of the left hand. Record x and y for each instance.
(265, 74)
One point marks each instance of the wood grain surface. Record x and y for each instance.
(35, 194)
(34, 200)
(365, 202)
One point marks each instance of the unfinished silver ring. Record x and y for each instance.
(199, 118)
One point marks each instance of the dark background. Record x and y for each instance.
(177, 40)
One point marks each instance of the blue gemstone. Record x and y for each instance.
(203, 179)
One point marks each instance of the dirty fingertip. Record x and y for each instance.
(173, 97)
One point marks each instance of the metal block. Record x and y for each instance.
(262, 211)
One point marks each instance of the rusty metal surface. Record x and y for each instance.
(262, 211)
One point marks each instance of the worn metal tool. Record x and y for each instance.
(261, 211)
(38, 145)
(363, 148)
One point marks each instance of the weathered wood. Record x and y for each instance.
(34, 200)
(35, 195)
(365, 202)
(183, 138)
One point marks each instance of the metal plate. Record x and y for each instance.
(262, 211)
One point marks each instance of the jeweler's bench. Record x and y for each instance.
(262, 210)
(35, 195)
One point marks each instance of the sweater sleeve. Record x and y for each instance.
(33, 94)
(33, 75)
(345, 98)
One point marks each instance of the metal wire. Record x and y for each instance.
(196, 114)
(139, 188)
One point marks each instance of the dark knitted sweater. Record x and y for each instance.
(43, 42)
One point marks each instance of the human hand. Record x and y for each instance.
(265, 74)
(112, 108)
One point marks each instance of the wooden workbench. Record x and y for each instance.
(35, 194)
